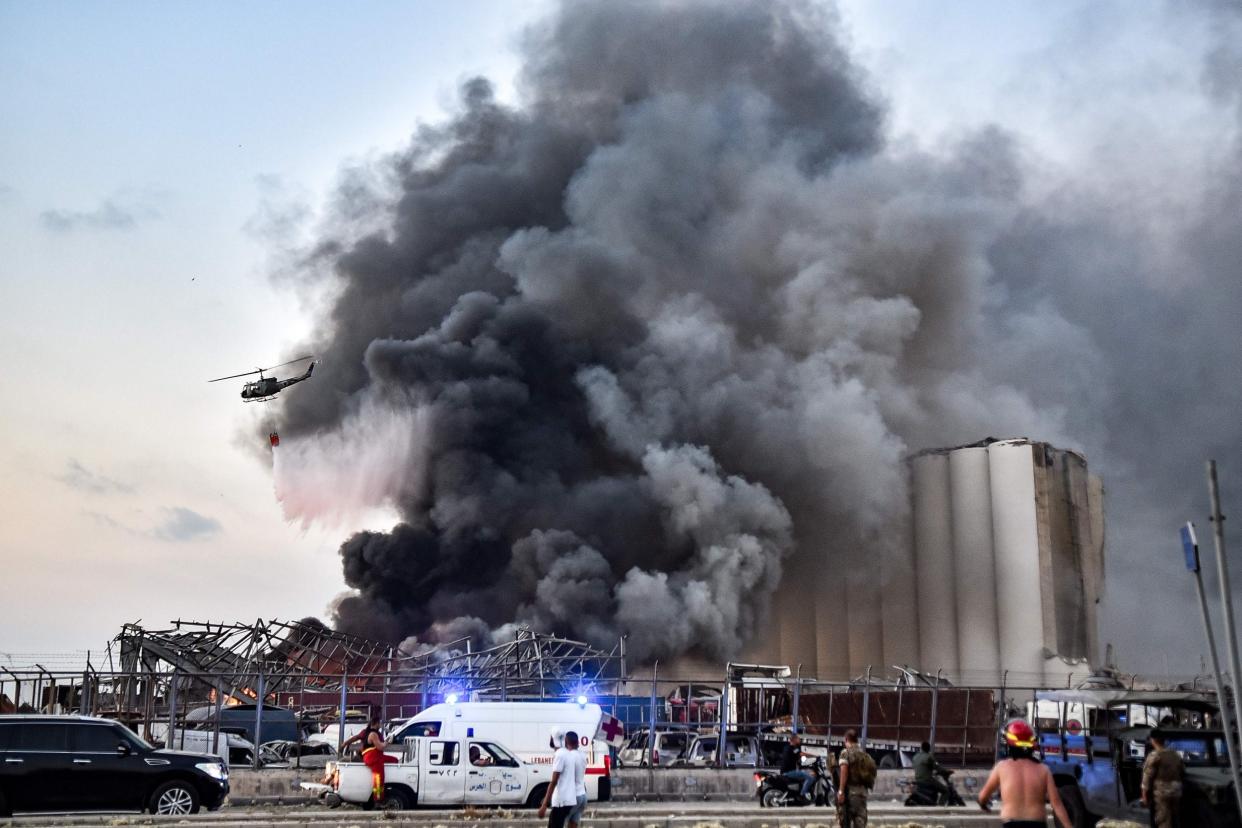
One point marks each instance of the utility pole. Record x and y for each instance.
(1222, 570)
(1190, 545)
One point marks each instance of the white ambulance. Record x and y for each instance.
(525, 728)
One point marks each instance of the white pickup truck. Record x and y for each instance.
(446, 772)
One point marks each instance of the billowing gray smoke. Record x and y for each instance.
(630, 353)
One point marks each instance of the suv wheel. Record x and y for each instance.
(174, 799)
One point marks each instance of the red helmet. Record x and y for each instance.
(1019, 734)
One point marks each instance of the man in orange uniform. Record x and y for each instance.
(373, 756)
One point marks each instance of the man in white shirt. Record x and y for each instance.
(580, 763)
(562, 793)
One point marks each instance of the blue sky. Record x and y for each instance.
(140, 143)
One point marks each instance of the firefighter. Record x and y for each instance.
(373, 755)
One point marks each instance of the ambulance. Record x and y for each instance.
(527, 729)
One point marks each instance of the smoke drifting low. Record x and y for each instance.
(630, 353)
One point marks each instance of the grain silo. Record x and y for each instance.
(1018, 527)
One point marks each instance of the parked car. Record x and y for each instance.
(285, 754)
(83, 763)
(740, 752)
(669, 746)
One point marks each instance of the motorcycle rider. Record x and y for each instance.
(926, 770)
(791, 764)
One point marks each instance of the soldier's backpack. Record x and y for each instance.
(862, 769)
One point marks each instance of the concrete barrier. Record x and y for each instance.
(280, 785)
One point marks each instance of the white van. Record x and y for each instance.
(523, 727)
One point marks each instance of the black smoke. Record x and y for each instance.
(626, 354)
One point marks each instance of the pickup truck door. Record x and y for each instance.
(442, 776)
(493, 775)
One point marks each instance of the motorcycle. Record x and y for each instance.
(775, 790)
(928, 796)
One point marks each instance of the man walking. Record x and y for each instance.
(857, 775)
(1025, 783)
(1162, 782)
(562, 792)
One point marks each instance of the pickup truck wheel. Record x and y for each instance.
(174, 798)
(396, 799)
(890, 761)
(4, 806)
(536, 796)
(1072, 799)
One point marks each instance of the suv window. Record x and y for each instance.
(6, 731)
(40, 736)
(442, 753)
(96, 738)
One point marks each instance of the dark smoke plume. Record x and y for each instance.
(628, 354)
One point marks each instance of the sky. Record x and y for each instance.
(156, 157)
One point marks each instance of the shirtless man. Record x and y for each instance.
(1025, 783)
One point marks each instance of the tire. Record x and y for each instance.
(4, 806)
(889, 761)
(398, 799)
(1072, 799)
(773, 798)
(174, 798)
(536, 796)
(332, 799)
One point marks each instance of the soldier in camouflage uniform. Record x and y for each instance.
(851, 796)
(1162, 783)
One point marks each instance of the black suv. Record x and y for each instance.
(78, 763)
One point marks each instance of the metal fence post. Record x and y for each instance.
(258, 719)
(651, 731)
(723, 739)
(935, 706)
(84, 700)
(866, 712)
(797, 696)
(340, 731)
(172, 711)
(215, 739)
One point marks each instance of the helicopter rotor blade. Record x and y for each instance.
(235, 376)
(290, 362)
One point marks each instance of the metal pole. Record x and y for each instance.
(935, 701)
(1226, 593)
(1226, 714)
(84, 701)
(384, 698)
(1000, 715)
(651, 731)
(258, 718)
(724, 717)
(340, 731)
(215, 739)
(866, 707)
(172, 711)
(797, 697)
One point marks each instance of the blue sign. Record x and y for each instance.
(1190, 545)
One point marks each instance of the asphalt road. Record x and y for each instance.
(604, 815)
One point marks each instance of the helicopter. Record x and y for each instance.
(265, 388)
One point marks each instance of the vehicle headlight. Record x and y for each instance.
(214, 770)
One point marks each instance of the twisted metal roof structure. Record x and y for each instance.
(307, 654)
